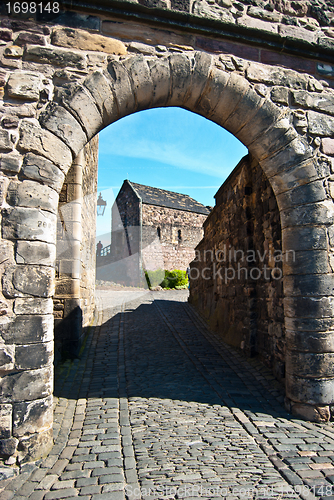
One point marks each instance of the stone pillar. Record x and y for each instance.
(68, 324)
(26, 331)
(308, 309)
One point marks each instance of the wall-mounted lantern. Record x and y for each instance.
(101, 205)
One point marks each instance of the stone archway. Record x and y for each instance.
(198, 82)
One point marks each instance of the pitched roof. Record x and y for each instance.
(169, 199)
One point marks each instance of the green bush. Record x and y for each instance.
(154, 278)
(175, 279)
(167, 279)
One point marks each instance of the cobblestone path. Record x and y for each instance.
(159, 408)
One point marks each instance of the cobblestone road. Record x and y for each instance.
(159, 408)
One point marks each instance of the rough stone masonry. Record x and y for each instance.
(262, 70)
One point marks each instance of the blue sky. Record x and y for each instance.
(168, 148)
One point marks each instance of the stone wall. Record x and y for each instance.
(237, 274)
(74, 299)
(180, 232)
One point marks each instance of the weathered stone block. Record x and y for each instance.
(6, 252)
(257, 24)
(42, 170)
(142, 48)
(264, 14)
(27, 386)
(58, 120)
(10, 122)
(295, 153)
(34, 139)
(35, 252)
(29, 224)
(5, 421)
(142, 83)
(230, 93)
(255, 132)
(67, 287)
(36, 446)
(32, 194)
(201, 69)
(280, 95)
(26, 38)
(310, 365)
(319, 102)
(309, 284)
(309, 341)
(276, 76)
(308, 193)
(33, 356)
(316, 391)
(13, 51)
(160, 74)
(122, 87)
(317, 413)
(5, 142)
(24, 85)
(296, 33)
(327, 146)
(8, 446)
(33, 280)
(244, 111)
(83, 40)
(311, 261)
(301, 325)
(30, 417)
(322, 212)
(57, 57)
(294, 177)
(25, 329)
(320, 124)
(10, 162)
(180, 70)
(304, 238)
(99, 86)
(308, 307)
(28, 305)
(7, 354)
(82, 105)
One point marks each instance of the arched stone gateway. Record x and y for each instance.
(106, 80)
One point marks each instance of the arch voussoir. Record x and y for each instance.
(180, 71)
(244, 112)
(311, 192)
(142, 83)
(230, 97)
(65, 126)
(99, 86)
(264, 118)
(201, 69)
(211, 93)
(295, 176)
(83, 107)
(160, 75)
(122, 87)
(34, 139)
(295, 153)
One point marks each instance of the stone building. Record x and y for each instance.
(154, 229)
